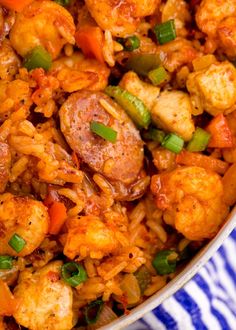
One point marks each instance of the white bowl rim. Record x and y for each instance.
(180, 280)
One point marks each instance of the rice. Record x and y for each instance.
(111, 110)
(136, 217)
(18, 168)
(158, 229)
(108, 49)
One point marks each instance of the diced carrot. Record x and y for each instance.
(8, 304)
(197, 159)
(51, 197)
(17, 5)
(90, 40)
(58, 215)
(221, 135)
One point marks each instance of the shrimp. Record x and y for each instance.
(227, 36)
(45, 300)
(172, 111)
(179, 11)
(213, 89)
(76, 72)
(89, 236)
(217, 20)
(176, 53)
(5, 163)
(10, 62)
(192, 201)
(25, 217)
(121, 17)
(42, 23)
(211, 12)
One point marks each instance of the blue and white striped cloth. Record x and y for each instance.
(207, 302)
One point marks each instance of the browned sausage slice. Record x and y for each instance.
(5, 162)
(119, 161)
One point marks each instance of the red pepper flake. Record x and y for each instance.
(53, 276)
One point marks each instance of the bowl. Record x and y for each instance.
(180, 280)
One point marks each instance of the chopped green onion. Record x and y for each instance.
(92, 311)
(163, 264)
(17, 243)
(173, 143)
(107, 133)
(73, 273)
(63, 2)
(143, 277)
(199, 140)
(143, 63)
(158, 75)
(5, 262)
(131, 43)
(134, 107)
(165, 32)
(38, 58)
(154, 134)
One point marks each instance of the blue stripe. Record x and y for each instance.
(147, 326)
(192, 308)
(233, 234)
(165, 318)
(227, 264)
(227, 300)
(204, 287)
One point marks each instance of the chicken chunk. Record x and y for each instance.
(89, 236)
(5, 163)
(45, 300)
(119, 161)
(144, 91)
(214, 89)
(25, 217)
(42, 23)
(192, 201)
(227, 36)
(172, 112)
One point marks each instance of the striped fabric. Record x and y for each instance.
(207, 302)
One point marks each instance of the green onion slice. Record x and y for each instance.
(103, 131)
(143, 63)
(131, 43)
(165, 32)
(144, 278)
(63, 2)
(73, 273)
(199, 140)
(173, 143)
(133, 106)
(163, 263)
(93, 310)
(154, 134)
(6, 262)
(17, 243)
(158, 75)
(38, 58)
